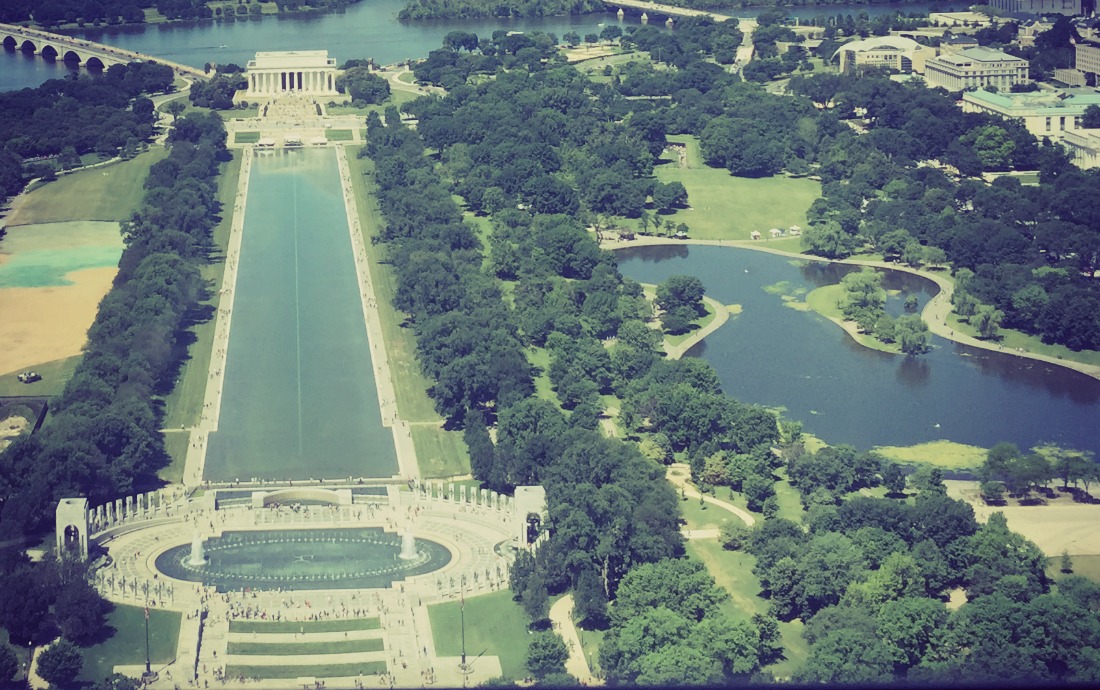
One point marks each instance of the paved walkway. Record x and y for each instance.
(561, 615)
(935, 311)
(679, 473)
(195, 463)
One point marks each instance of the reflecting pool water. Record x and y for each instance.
(304, 559)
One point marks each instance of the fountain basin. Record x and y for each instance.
(304, 559)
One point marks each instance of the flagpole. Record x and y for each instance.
(148, 668)
(462, 616)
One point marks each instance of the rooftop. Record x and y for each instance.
(979, 54)
(1037, 101)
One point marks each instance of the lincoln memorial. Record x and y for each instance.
(306, 72)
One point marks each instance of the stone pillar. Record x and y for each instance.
(119, 515)
(451, 493)
(139, 507)
(462, 494)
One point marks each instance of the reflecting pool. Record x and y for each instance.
(303, 559)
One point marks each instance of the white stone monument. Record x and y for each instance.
(71, 523)
(528, 501)
(306, 72)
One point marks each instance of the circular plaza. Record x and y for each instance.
(308, 555)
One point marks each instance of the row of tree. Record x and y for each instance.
(103, 438)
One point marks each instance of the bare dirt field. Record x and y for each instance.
(46, 323)
(1055, 528)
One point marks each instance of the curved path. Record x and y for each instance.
(721, 316)
(561, 615)
(678, 473)
(935, 311)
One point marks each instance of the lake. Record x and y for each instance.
(367, 29)
(779, 356)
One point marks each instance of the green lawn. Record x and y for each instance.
(298, 648)
(790, 502)
(183, 406)
(440, 453)
(495, 626)
(339, 134)
(540, 357)
(246, 137)
(723, 207)
(365, 668)
(410, 384)
(1012, 340)
(1085, 566)
(55, 375)
(732, 570)
(945, 454)
(306, 626)
(590, 643)
(127, 645)
(826, 299)
(112, 192)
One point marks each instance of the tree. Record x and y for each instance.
(546, 654)
(1091, 117)
(362, 85)
(61, 663)
(988, 321)
(907, 628)
(571, 38)
(667, 197)
(80, 612)
(1067, 563)
(912, 335)
(9, 663)
(734, 535)
(536, 598)
(591, 600)
(611, 33)
(681, 291)
(893, 478)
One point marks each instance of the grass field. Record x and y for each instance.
(374, 644)
(339, 134)
(365, 668)
(246, 137)
(732, 571)
(183, 406)
(723, 207)
(946, 454)
(1012, 340)
(410, 385)
(127, 645)
(55, 375)
(790, 502)
(111, 192)
(1085, 566)
(824, 300)
(495, 626)
(304, 626)
(440, 453)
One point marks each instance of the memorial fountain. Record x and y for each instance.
(198, 557)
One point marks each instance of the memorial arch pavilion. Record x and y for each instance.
(305, 72)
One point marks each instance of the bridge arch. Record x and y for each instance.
(94, 64)
(28, 46)
(9, 42)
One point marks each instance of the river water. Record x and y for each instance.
(367, 29)
(779, 356)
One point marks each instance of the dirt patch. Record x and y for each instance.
(10, 428)
(48, 323)
(1056, 527)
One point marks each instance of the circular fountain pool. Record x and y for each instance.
(303, 559)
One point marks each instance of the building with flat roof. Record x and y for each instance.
(956, 44)
(1088, 57)
(976, 68)
(1045, 114)
(1066, 7)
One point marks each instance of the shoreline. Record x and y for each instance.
(934, 313)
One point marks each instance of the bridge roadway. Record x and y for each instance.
(746, 25)
(70, 49)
